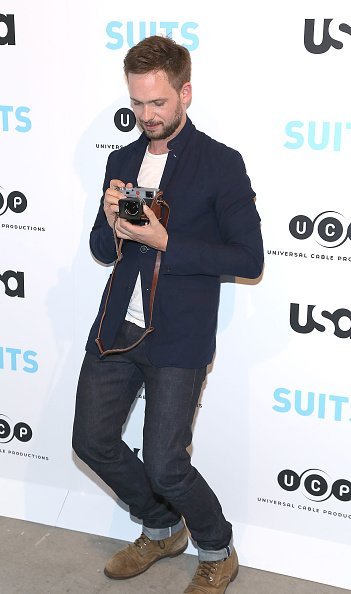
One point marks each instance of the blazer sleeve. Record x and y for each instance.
(240, 252)
(102, 242)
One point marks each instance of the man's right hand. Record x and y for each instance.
(112, 198)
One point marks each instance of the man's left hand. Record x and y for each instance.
(152, 234)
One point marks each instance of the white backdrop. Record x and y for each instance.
(275, 411)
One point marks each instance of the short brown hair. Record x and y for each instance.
(160, 53)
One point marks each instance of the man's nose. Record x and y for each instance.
(148, 113)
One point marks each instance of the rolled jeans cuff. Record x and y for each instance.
(162, 533)
(217, 555)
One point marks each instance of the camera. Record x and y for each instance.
(131, 207)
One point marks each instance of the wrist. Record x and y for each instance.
(164, 244)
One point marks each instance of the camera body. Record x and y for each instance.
(131, 207)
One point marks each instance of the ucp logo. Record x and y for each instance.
(317, 135)
(329, 228)
(315, 484)
(9, 116)
(132, 32)
(15, 201)
(21, 430)
(331, 29)
(125, 119)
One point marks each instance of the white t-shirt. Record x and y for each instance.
(150, 174)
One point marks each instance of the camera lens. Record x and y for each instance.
(131, 208)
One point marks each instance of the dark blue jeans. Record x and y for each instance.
(165, 486)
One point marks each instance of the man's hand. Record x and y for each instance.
(111, 199)
(152, 234)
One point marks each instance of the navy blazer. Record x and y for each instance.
(213, 230)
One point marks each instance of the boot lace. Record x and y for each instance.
(206, 569)
(142, 541)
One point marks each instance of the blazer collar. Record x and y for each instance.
(175, 145)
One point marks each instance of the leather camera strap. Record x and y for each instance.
(161, 209)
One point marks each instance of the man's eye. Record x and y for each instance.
(159, 103)
(136, 103)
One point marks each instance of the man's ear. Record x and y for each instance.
(186, 94)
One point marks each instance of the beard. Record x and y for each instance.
(167, 129)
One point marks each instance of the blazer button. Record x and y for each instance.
(144, 249)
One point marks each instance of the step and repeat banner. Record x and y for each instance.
(272, 429)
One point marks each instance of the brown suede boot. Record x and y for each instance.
(213, 577)
(140, 555)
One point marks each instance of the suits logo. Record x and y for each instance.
(9, 115)
(330, 229)
(328, 39)
(339, 321)
(318, 136)
(315, 485)
(13, 282)
(7, 29)
(332, 407)
(8, 431)
(125, 119)
(131, 32)
(18, 360)
(15, 201)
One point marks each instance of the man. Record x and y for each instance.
(157, 327)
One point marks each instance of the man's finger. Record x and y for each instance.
(116, 183)
(150, 214)
(125, 227)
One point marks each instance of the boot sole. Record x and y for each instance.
(234, 574)
(126, 577)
